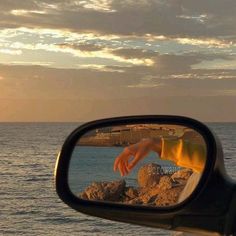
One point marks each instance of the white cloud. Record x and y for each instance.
(39, 63)
(126, 17)
(204, 76)
(97, 5)
(199, 18)
(10, 51)
(49, 6)
(216, 64)
(22, 12)
(208, 42)
(54, 33)
(183, 76)
(144, 85)
(104, 53)
(100, 68)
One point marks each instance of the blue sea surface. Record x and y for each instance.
(28, 202)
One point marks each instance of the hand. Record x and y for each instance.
(131, 155)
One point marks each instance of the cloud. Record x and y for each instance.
(101, 68)
(9, 5)
(26, 12)
(174, 19)
(208, 42)
(89, 50)
(179, 54)
(10, 51)
(165, 64)
(134, 53)
(113, 93)
(68, 36)
(82, 47)
(147, 82)
(36, 63)
(82, 51)
(63, 110)
(93, 81)
(97, 5)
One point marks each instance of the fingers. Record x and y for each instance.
(124, 156)
(122, 161)
(116, 163)
(122, 166)
(133, 163)
(120, 169)
(139, 156)
(123, 169)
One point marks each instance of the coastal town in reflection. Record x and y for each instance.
(154, 165)
(130, 134)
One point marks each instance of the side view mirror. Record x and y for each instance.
(159, 171)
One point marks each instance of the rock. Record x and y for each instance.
(162, 194)
(148, 195)
(83, 195)
(148, 198)
(155, 188)
(131, 193)
(168, 197)
(149, 175)
(165, 183)
(106, 191)
(182, 174)
(136, 201)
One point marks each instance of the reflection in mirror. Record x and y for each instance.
(143, 164)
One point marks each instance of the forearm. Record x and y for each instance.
(156, 145)
(147, 145)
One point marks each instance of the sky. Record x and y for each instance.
(79, 60)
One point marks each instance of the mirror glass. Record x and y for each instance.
(155, 165)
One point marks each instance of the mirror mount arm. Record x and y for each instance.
(214, 212)
(230, 228)
(230, 185)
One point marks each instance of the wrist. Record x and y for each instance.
(156, 145)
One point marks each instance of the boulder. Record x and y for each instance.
(182, 175)
(148, 198)
(131, 192)
(135, 201)
(155, 188)
(148, 195)
(104, 191)
(168, 197)
(165, 183)
(149, 175)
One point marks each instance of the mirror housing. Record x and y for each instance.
(205, 211)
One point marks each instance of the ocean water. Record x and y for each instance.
(28, 202)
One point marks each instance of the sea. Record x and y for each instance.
(28, 202)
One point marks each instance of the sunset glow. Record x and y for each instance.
(115, 57)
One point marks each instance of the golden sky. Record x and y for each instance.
(82, 60)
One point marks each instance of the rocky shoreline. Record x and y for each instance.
(155, 188)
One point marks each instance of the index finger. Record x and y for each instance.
(122, 156)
